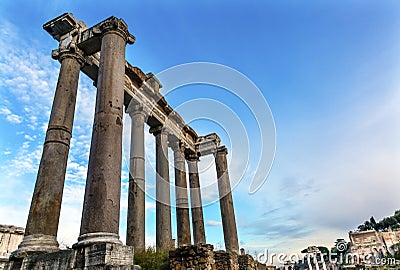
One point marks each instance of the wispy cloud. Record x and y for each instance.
(337, 156)
(12, 118)
(213, 223)
(28, 77)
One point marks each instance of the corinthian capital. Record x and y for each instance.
(68, 49)
(117, 26)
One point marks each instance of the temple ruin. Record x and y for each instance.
(99, 52)
(10, 237)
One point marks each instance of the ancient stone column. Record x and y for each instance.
(225, 201)
(181, 195)
(199, 234)
(163, 204)
(135, 235)
(100, 216)
(42, 225)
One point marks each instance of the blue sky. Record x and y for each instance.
(329, 71)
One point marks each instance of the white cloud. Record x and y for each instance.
(29, 137)
(13, 118)
(213, 223)
(25, 161)
(5, 111)
(28, 78)
(10, 117)
(340, 173)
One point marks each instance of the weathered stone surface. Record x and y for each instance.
(226, 260)
(143, 88)
(104, 255)
(199, 234)
(10, 237)
(3, 262)
(101, 207)
(99, 256)
(42, 224)
(194, 257)
(246, 262)
(226, 202)
(163, 203)
(203, 256)
(181, 194)
(373, 242)
(100, 217)
(135, 231)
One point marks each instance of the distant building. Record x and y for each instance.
(10, 237)
(391, 238)
(373, 243)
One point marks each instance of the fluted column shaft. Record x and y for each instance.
(136, 197)
(42, 224)
(181, 195)
(100, 217)
(163, 204)
(226, 202)
(199, 234)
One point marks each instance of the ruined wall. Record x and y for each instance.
(10, 237)
(226, 260)
(371, 241)
(246, 262)
(192, 257)
(391, 238)
(203, 256)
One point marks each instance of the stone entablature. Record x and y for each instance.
(141, 87)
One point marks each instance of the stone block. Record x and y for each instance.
(104, 255)
(94, 257)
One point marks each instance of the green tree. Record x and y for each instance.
(373, 223)
(383, 225)
(152, 260)
(324, 250)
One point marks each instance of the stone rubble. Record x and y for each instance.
(226, 260)
(199, 256)
(203, 256)
(246, 262)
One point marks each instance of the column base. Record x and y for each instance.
(36, 244)
(89, 239)
(94, 257)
